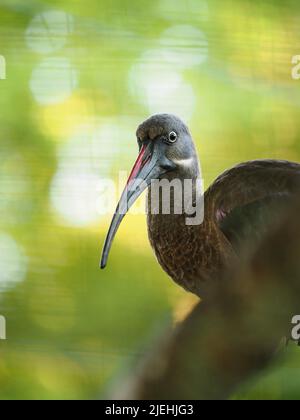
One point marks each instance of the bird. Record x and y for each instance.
(239, 207)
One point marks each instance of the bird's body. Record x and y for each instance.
(239, 206)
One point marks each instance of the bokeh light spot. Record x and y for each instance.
(53, 81)
(74, 197)
(13, 263)
(160, 87)
(185, 46)
(82, 189)
(48, 31)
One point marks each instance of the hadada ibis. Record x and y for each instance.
(239, 207)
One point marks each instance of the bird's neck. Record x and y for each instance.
(177, 194)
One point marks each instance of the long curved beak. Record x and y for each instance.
(144, 170)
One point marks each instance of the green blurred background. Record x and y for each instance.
(81, 75)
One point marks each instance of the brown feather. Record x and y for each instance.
(196, 256)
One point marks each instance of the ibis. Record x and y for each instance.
(239, 207)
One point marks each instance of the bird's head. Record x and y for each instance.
(167, 140)
(166, 150)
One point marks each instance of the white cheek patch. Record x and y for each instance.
(185, 163)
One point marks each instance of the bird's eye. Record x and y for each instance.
(172, 137)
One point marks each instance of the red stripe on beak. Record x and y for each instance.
(139, 164)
